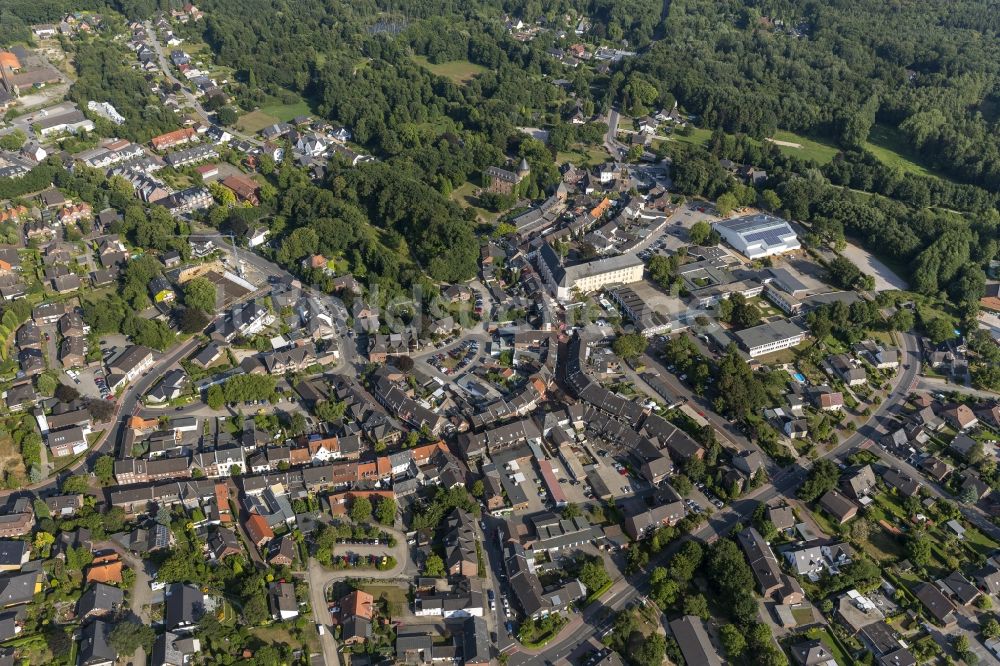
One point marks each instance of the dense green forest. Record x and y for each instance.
(929, 68)
(926, 71)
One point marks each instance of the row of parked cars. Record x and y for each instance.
(102, 385)
(464, 353)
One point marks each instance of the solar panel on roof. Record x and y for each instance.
(770, 237)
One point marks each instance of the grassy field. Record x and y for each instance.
(285, 112)
(697, 137)
(811, 149)
(459, 71)
(583, 156)
(280, 634)
(889, 146)
(255, 121)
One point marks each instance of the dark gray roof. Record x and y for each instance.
(689, 631)
(768, 333)
(100, 598)
(95, 646)
(185, 604)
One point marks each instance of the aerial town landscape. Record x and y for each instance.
(613, 333)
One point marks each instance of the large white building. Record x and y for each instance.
(771, 337)
(758, 235)
(591, 276)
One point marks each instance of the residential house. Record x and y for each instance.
(70, 441)
(356, 610)
(960, 588)
(838, 507)
(771, 581)
(641, 524)
(936, 604)
(281, 599)
(130, 364)
(185, 604)
(935, 468)
(782, 517)
(64, 506)
(965, 446)
(244, 187)
(693, 641)
(960, 417)
(172, 139)
(14, 554)
(258, 531)
(812, 653)
(171, 649)
(905, 485)
(461, 555)
(105, 569)
(72, 352)
(849, 372)
(223, 543)
(973, 486)
(860, 482)
(98, 601)
(95, 645)
(281, 553)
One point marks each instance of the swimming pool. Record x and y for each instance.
(799, 377)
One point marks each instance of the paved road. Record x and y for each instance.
(611, 142)
(320, 579)
(321, 613)
(165, 69)
(704, 406)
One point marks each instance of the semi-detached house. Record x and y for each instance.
(129, 365)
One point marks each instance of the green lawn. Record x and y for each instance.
(979, 541)
(465, 196)
(890, 147)
(459, 71)
(827, 638)
(891, 505)
(255, 121)
(583, 156)
(697, 137)
(809, 149)
(285, 112)
(883, 546)
(394, 595)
